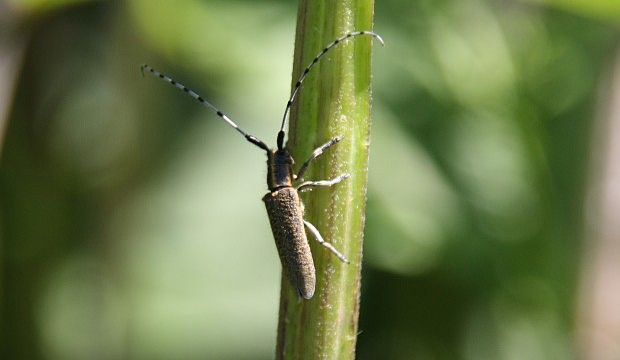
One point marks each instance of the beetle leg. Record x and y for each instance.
(307, 185)
(319, 238)
(318, 151)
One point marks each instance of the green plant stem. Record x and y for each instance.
(334, 101)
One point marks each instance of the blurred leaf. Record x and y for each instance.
(604, 9)
(414, 210)
(34, 6)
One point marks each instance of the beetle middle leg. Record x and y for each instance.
(319, 238)
(307, 185)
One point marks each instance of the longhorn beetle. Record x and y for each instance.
(284, 207)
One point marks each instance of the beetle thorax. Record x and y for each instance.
(279, 169)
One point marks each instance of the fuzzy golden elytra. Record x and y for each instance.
(284, 207)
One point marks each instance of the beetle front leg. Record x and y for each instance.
(318, 151)
(319, 238)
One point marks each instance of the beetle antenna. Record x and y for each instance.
(251, 138)
(307, 70)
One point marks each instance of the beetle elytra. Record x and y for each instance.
(284, 207)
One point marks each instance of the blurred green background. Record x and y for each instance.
(131, 225)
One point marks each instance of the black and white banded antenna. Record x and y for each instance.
(251, 138)
(307, 70)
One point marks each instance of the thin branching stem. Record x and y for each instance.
(334, 101)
